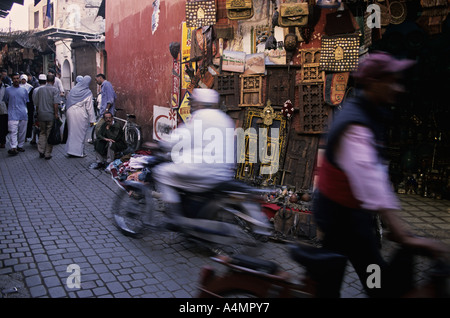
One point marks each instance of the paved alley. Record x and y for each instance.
(56, 213)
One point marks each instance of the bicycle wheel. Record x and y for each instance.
(132, 210)
(133, 138)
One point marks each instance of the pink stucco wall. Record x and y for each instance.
(139, 64)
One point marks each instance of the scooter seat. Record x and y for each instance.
(256, 264)
(317, 258)
(324, 267)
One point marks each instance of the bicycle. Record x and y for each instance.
(250, 277)
(132, 131)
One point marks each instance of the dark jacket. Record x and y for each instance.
(114, 132)
(357, 110)
(333, 182)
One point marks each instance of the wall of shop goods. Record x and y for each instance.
(311, 78)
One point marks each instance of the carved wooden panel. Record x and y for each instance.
(280, 85)
(301, 153)
(315, 115)
(228, 88)
(310, 66)
(251, 90)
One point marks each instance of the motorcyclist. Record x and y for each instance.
(201, 149)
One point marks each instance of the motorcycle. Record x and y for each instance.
(249, 277)
(228, 218)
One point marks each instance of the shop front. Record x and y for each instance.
(283, 69)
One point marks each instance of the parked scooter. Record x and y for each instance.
(249, 277)
(228, 218)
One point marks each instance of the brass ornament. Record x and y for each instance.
(339, 53)
(268, 114)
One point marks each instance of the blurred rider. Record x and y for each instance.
(202, 151)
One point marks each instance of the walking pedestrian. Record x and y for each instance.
(35, 131)
(108, 95)
(32, 79)
(16, 99)
(3, 113)
(58, 83)
(46, 100)
(354, 183)
(79, 116)
(30, 105)
(24, 83)
(5, 78)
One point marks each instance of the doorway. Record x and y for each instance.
(66, 76)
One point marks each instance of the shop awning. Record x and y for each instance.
(6, 5)
(24, 39)
(56, 33)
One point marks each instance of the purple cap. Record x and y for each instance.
(379, 64)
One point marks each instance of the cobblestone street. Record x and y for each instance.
(54, 213)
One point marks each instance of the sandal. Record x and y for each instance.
(13, 152)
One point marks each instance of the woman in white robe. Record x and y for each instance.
(80, 116)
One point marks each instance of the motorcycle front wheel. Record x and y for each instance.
(132, 211)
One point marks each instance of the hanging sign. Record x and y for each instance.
(175, 83)
(185, 110)
(186, 41)
(164, 121)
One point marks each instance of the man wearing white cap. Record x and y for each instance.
(30, 106)
(46, 100)
(201, 154)
(16, 98)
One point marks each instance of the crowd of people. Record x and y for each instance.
(29, 107)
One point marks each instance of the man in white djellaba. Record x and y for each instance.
(197, 165)
(80, 116)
